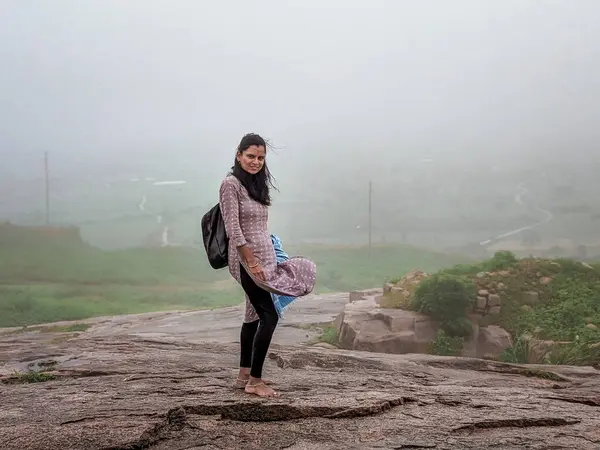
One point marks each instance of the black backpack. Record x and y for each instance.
(215, 238)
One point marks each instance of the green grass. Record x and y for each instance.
(328, 333)
(30, 377)
(342, 269)
(339, 268)
(44, 303)
(72, 328)
(567, 304)
(82, 264)
(567, 309)
(500, 261)
(445, 345)
(43, 281)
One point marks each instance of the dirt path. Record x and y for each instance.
(547, 217)
(164, 236)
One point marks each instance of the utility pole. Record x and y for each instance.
(47, 189)
(370, 213)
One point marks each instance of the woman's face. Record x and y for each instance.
(252, 159)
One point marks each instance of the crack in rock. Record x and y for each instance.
(518, 423)
(176, 418)
(300, 360)
(498, 367)
(87, 373)
(256, 412)
(449, 401)
(579, 436)
(403, 444)
(413, 445)
(373, 410)
(175, 421)
(589, 401)
(92, 418)
(162, 377)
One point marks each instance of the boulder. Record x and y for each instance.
(412, 279)
(492, 341)
(481, 303)
(494, 300)
(539, 349)
(387, 288)
(495, 310)
(398, 295)
(399, 290)
(363, 325)
(361, 295)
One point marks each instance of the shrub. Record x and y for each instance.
(584, 350)
(459, 327)
(445, 345)
(445, 297)
(518, 353)
(501, 260)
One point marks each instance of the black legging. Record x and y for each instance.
(255, 337)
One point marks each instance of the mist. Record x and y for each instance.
(437, 165)
(411, 95)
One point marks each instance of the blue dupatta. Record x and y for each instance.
(281, 302)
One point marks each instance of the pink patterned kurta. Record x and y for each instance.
(246, 222)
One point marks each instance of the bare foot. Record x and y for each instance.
(241, 381)
(242, 378)
(260, 389)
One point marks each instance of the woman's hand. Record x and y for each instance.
(257, 270)
(252, 263)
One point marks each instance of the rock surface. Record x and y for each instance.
(493, 340)
(400, 292)
(163, 382)
(363, 325)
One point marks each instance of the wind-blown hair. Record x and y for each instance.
(258, 185)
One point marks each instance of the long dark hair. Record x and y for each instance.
(260, 184)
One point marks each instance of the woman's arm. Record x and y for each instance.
(230, 209)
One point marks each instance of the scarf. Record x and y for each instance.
(281, 302)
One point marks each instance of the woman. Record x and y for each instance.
(244, 198)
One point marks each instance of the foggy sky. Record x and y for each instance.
(385, 79)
